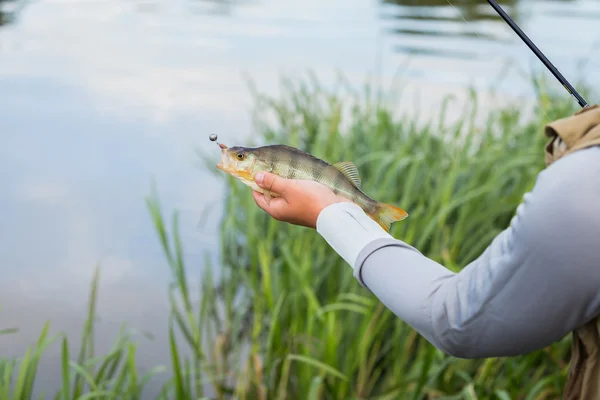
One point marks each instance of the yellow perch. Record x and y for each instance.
(288, 162)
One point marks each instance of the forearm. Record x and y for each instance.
(536, 281)
(398, 274)
(466, 314)
(406, 282)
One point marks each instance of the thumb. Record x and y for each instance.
(272, 182)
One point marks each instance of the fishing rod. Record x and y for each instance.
(539, 54)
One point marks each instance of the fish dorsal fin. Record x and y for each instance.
(350, 171)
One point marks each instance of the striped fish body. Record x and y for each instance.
(291, 163)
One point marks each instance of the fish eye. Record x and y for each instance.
(240, 156)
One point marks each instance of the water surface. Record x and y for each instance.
(100, 97)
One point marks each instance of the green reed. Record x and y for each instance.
(88, 376)
(287, 319)
(315, 331)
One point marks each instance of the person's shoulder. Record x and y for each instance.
(572, 180)
(564, 204)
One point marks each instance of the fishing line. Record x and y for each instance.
(570, 89)
(539, 54)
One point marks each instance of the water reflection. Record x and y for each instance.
(452, 29)
(6, 16)
(216, 7)
(461, 10)
(9, 10)
(453, 10)
(573, 13)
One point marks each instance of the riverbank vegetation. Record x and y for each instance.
(286, 319)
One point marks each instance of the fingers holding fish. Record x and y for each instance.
(272, 183)
(266, 181)
(302, 203)
(275, 207)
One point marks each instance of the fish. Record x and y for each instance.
(243, 163)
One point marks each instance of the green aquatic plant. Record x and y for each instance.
(311, 325)
(282, 316)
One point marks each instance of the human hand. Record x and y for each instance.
(300, 201)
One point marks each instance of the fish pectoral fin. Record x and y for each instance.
(350, 171)
(267, 195)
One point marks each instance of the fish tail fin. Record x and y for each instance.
(386, 214)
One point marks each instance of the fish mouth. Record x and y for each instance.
(235, 173)
(226, 168)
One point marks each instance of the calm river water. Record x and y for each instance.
(99, 97)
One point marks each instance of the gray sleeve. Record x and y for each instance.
(537, 281)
